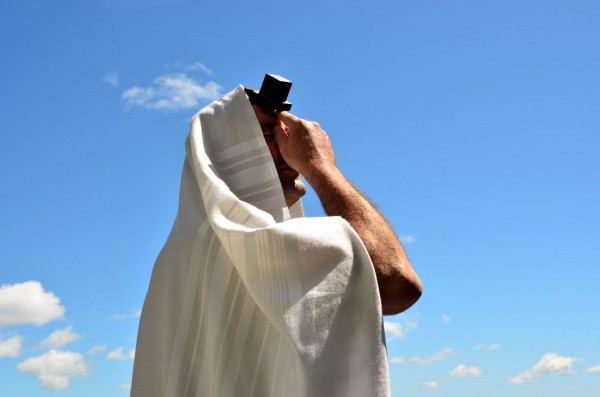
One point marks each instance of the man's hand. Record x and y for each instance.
(304, 145)
(307, 149)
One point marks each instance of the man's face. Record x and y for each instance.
(293, 187)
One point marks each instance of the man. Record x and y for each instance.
(250, 298)
(301, 147)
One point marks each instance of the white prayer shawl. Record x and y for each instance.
(247, 299)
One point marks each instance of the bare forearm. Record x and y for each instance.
(399, 286)
(307, 149)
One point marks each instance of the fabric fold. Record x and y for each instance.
(247, 297)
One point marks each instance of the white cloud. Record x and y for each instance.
(60, 338)
(493, 346)
(446, 318)
(462, 371)
(96, 349)
(118, 355)
(112, 78)
(194, 67)
(526, 376)
(126, 316)
(125, 386)
(407, 239)
(432, 385)
(55, 368)
(394, 329)
(593, 370)
(11, 348)
(28, 303)
(397, 330)
(410, 325)
(198, 67)
(171, 92)
(550, 363)
(439, 356)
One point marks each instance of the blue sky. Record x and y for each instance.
(474, 126)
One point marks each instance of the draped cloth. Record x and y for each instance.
(248, 297)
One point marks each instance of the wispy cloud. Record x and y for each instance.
(195, 67)
(593, 370)
(55, 368)
(125, 386)
(394, 329)
(432, 385)
(60, 338)
(397, 330)
(111, 78)
(439, 356)
(96, 349)
(28, 303)
(550, 363)
(492, 347)
(419, 360)
(116, 355)
(407, 239)
(398, 359)
(11, 347)
(446, 318)
(463, 371)
(126, 316)
(119, 355)
(171, 92)
(523, 377)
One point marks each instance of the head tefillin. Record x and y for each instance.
(273, 93)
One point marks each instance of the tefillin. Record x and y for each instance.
(273, 93)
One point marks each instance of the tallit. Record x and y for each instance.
(248, 298)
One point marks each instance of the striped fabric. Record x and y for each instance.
(248, 297)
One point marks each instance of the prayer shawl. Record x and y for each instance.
(247, 297)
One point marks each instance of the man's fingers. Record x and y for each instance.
(288, 118)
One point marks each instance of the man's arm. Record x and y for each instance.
(306, 148)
